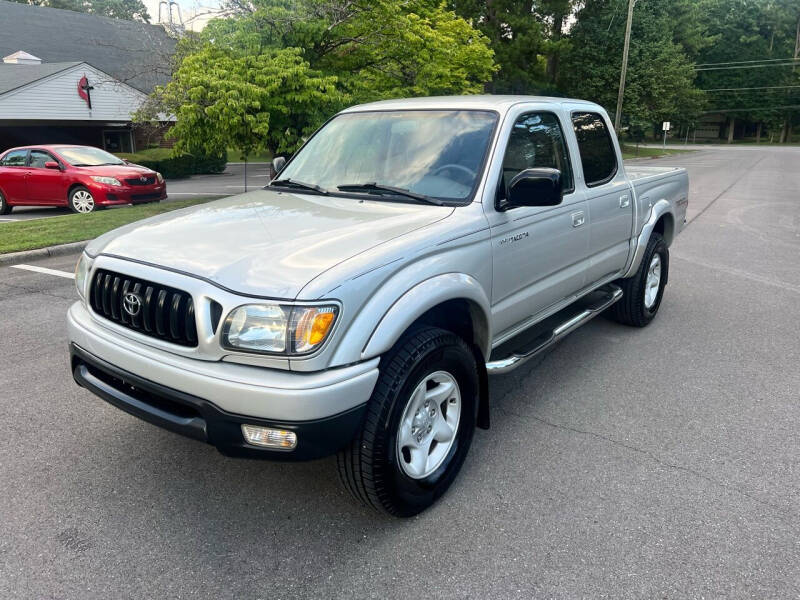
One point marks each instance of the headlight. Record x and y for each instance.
(278, 329)
(82, 274)
(160, 177)
(107, 180)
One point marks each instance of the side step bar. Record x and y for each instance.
(528, 344)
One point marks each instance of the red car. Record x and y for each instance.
(80, 177)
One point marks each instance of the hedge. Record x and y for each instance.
(175, 167)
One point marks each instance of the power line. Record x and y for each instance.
(730, 110)
(790, 63)
(768, 87)
(743, 62)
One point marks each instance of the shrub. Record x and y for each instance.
(176, 167)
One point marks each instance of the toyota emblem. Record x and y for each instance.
(132, 303)
(142, 178)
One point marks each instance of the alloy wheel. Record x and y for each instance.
(429, 424)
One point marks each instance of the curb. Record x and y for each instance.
(14, 258)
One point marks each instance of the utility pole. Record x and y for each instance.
(618, 116)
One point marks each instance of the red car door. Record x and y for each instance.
(13, 175)
(45, 186)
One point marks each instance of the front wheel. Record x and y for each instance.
(418, 427)
(642, 293)
(81, 200)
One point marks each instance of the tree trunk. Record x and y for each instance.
(730, 130)
(783, 131)
(758, 133)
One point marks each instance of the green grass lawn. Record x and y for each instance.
(630, 151)
(40, 233)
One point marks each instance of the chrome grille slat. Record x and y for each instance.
(164, 312)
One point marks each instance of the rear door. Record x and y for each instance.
(539, 254)
(45, 186)
(608, 195)
(13, 173)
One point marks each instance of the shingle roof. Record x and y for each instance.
(14, 76)
(135, 53)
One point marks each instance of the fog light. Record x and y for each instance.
(270, 438)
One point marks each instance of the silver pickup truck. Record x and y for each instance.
(357, 304)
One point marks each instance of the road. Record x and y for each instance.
(223, 184)
(626, 463)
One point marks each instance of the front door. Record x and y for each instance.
(13, 175)
(538, 253)
(45, 186)
(608, 195)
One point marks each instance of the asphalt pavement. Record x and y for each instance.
(231, 181)
(627, 463)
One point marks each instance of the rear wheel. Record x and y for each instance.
(81, 200)
(418, 427)
(642, 293)
(5, 208)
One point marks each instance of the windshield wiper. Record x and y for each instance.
(376, 187)
(298, 184)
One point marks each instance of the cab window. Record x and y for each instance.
(39, 158)
(536, 141)
(15, 158)
(597, 151)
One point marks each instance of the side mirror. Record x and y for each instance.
(534, 187)
(51, 164)
(278, 163)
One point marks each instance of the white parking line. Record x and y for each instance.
(46, 271)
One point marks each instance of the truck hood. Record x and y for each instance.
(266, 243)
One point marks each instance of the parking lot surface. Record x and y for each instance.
(629, 463)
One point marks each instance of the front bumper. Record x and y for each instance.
(106, 195)
(323, 408)
(199, 419)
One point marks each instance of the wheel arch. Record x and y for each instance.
(661, 221)
(455, 302)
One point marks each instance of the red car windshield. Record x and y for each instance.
(86, 156)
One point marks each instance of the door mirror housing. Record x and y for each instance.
(278, 163)
(51, 164)
(534, 187)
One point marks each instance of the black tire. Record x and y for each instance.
(5, 208)
(73, 202)
(631, 309)
(369, 466)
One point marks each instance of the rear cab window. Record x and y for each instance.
(598, 157)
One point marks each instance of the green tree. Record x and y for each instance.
(741, 68)
(271, 73)
(131, 10)
(265, 101)
(660, 79)
(518, 39)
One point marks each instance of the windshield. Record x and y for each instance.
(86, 156)
(438, 154)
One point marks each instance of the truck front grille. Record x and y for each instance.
(149, 308)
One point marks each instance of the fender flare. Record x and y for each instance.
(659, 209)
(422, 297)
